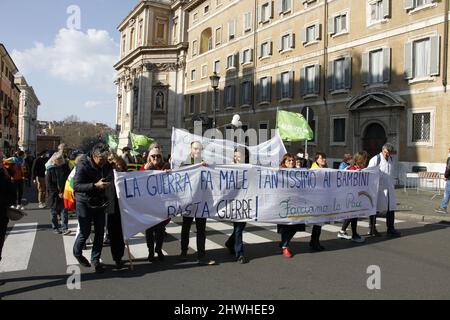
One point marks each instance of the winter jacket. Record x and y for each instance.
(38, 169)
(8, 196)
(87, 174)
(55, 180)
(447, 169)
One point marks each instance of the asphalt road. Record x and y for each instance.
(415, 266)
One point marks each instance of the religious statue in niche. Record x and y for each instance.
(159, 103)
(160, 95)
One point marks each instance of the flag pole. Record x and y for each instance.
(129, 256)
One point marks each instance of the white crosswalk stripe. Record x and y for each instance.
(20, 240)
(17, 247)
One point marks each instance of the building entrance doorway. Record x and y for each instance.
(374, 139)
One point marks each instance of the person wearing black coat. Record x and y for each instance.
(114, 222)
(55, 179)
(38, 176)
(7, 199)
(93, 175)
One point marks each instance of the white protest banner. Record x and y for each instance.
(220, 151)
(244, 193)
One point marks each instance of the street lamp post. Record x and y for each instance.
(214, 84)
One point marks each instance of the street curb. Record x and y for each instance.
(422, 217)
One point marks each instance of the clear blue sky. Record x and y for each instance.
(70, 70)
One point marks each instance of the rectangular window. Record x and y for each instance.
(311, 33)
(230, 62)
(421, 127)
(376, 11)
(285, 6)
(229, 96)
(132, 39)
(218, 36)
(266, 12)
(204, 71)
(160, 30)
(248, 21)
(339, 74)
(376, 66)
(231, 29)
(194, 47)
(338, 130)
(340, 23)
(246, 93)
(193, 74)
(265, 49)
(216, 67)
(192, 104)
(285, 85)
(421, 56)
(195, 16)
(206, 10)
(124, 45)
(285, 42)
(265, 87)
(247, 56)
(310, 73)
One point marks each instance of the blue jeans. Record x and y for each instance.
(86, 216)
(235, 239)
(444, 203)
(64, 219)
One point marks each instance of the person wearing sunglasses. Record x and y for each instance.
(155, 234)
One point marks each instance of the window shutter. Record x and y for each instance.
(270, 47)
(318, 31)
(251, 55)
(303, 81)
(434, 58)
(409, 4)
(241, 57)
(241, 94)
(258, 91)
(330, 76)
(259, 14)
(291, 84)
(386, 65)
(292, 40)
(348, 72)
(280, 6)
(260, 51)
(303, 35)
(279, 85)
(365, 68)
(270, 10)
(386, 8)
(233, 95)
(280, 43)
(251, 88)
(224, 98)
(236, 60)
(408, 72)
(269, 89)
(331, 28)
(317, 80)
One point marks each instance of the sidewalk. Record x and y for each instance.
(419, 206)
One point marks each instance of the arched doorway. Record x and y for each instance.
(374, 138)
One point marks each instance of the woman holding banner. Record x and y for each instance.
(320, 162)
(235, 243)
(288, 230)
(156, 233)
(360, 162)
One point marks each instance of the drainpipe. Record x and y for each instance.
(445, 61)
(325, 64)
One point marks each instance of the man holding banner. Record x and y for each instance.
(195, 157)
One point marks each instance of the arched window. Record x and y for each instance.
(206, 40)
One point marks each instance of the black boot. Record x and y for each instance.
(373, 229)
(314, 243)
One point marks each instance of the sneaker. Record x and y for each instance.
(41, 205)
(441, 210)
(151, 257)
(343, 235)
(358, 239)
(316, 246)
(119, 265)
(57, 231)
(83, 261)
(287, 253)
(183, 256)
(242, 260)
(99, 268)
(206, 262)
(66, 232)
(374, 233)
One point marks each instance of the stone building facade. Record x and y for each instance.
(370, 70)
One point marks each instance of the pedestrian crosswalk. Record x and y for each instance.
(21, 237)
